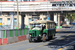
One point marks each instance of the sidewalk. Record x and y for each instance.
(59, 29)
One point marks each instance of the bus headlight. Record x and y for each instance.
(30, 35)
(39, 35)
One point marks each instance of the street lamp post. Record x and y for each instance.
(17, 16)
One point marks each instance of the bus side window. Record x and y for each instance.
(53, 25)
(50, 25)
(47, 25)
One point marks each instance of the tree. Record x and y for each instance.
(71, 17)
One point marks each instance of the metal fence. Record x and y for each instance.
(13, 33)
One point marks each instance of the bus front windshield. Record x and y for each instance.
(37, 26)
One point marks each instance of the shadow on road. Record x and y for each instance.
(61, 42)
(65, 32)
(39, 41)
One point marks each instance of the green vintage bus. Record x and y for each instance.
(41, 30)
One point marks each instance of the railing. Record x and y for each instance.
(31, 7)
(13, 35)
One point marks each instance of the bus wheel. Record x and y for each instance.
(44, 38)
(52, 36)
(30, 40)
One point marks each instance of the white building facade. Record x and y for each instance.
(43, 10)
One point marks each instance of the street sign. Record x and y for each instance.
(48, 18)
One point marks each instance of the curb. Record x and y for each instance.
(57, 30)
(0, 41)
(12, 43)
(10, 40)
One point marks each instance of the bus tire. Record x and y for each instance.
(44, 37)
(49, 37)
(30, 40)
(52, 36)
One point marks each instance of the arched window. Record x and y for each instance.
(70, 5)
(53, 4)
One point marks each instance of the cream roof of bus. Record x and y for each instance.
(41, 21)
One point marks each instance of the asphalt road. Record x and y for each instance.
(64, 40)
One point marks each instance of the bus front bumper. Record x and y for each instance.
(36, 38)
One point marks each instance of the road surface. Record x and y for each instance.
(64, 40)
